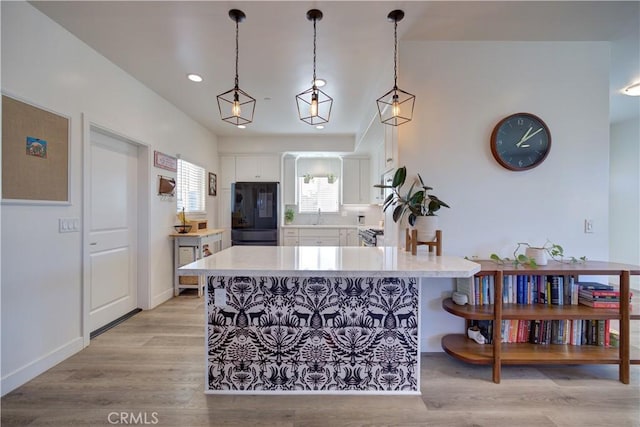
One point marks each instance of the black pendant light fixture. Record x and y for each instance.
(235, 105)
(396, 106)
(314, 106)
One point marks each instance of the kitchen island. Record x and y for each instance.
(316, 319)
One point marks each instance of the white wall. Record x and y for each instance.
(463, 89)
(624, 196)
(41, 269)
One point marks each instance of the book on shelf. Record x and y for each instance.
(602, 294)
(465, 285)
(485, 327)
(538, 289)
(601, 304)
(595, 286)
(574, 332)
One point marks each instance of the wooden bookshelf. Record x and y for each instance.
(467, 350)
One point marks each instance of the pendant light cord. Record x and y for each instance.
(237, 54)
(395, 54)
(314, 53)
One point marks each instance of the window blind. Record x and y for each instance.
(190, 184)
(318, 194)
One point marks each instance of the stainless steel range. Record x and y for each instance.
(369, 236)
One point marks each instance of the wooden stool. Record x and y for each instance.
(412, 242)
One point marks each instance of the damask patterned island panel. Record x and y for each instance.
(284, 319)
(312, 334)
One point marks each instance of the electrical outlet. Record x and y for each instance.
(220, 297)
(588, 226)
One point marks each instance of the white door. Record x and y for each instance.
(112, 232)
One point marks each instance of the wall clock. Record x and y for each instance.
(520, 141)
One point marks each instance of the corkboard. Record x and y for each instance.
(28, 174)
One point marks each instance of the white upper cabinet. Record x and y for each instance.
(289, 181)
(227, 171)
(355, 181)
(258, 168)
(390, 147)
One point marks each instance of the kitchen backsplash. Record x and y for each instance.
(347, 216)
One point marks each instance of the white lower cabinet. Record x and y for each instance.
(349, 237)
(321, 236)
(290, 237)
(319, 241)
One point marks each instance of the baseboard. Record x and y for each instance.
(162, 297)
(31, 370)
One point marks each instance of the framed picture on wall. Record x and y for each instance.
(213, 181)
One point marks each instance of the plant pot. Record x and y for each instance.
(426, 226)
(537, 254)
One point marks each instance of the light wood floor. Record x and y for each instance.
(153, 365)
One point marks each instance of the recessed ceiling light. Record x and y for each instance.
(320, 82)
(633, 90)
(319, 127)
(195, 77)
(242, 127)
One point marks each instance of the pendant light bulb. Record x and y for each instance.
(235, 109)
(313, 108)
(395, 106)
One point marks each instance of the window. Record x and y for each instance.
(318, 193)
(190, 185)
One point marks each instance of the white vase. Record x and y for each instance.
(538, 255)
(426, 226)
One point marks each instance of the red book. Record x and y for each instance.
(597, 293)
(601, 304)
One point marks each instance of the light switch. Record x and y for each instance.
(68, 225)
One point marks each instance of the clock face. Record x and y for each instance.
(520, 141)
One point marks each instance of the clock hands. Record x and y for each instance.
(532, 135)
(527, 137)
(524, 137)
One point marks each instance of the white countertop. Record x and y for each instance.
(329, 261)
(325, 226)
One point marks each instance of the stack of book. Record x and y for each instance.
(598, 295)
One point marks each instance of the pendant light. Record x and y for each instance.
(396, 106)
(235, 105)
(314, 105)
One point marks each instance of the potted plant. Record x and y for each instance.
(288, 216)
(537, 255)
(331, 178)
(417, 204)
(307, 178)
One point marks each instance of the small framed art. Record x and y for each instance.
(213, 182)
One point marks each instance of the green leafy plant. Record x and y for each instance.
(288, 215)
(555, 251)
(307, 178)
(415, 202)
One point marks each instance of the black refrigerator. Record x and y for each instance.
(254, 214)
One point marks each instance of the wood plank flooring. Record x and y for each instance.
(150, 370)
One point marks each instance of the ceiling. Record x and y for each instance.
(159, 43)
